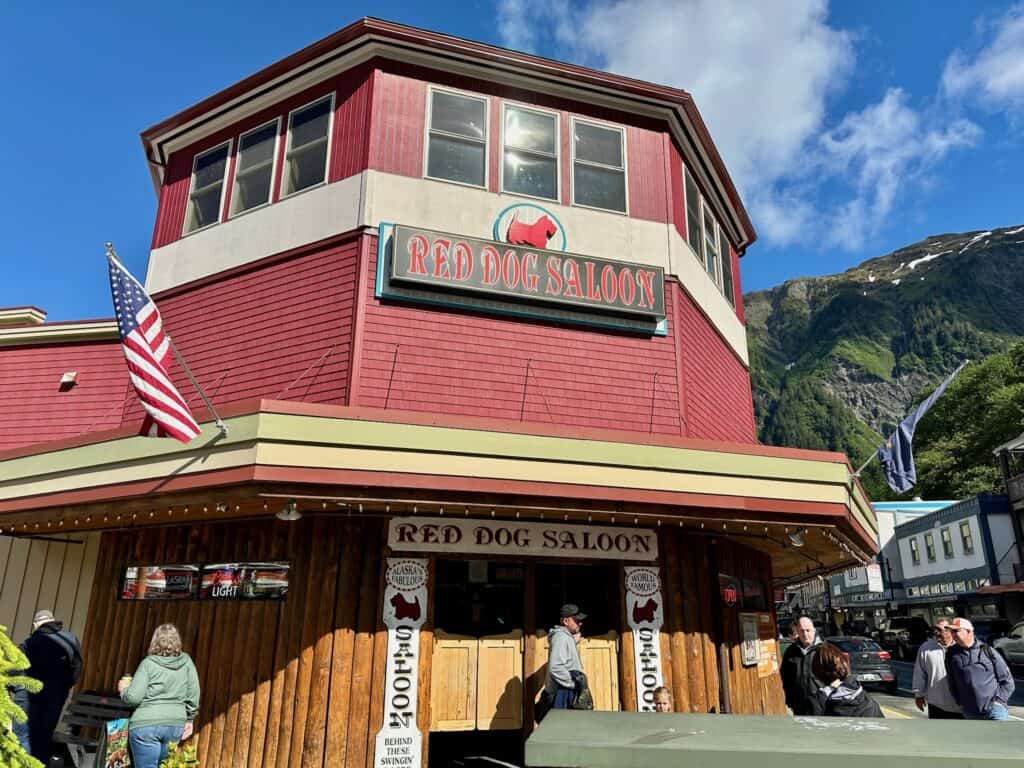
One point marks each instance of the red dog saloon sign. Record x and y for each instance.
(523, 272)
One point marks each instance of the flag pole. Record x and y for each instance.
(181, 360)
(219, 421)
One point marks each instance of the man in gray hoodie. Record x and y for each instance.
(563, 657)
(931, 683)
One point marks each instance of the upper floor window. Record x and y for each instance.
(915, 554)
(254, 168)
(966, 538)
(206, 193)
(598, 166)
(947, 543)
(305, 162)
(708, 239)
(530, 153)
(457, 143)
(929, 547)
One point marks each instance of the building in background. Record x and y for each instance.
(866, 596)
(950, 557)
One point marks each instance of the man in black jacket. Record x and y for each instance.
(797, 680)
(55, 660)
(979, 679)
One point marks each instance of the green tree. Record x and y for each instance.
(13, 661)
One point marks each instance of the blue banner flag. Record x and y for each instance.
(896, 454)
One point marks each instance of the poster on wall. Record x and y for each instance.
(399, 741)
(768, 646)
(159, 582)
(749, 639)
(645, 613)
(244, 581)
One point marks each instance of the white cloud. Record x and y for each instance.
(995, 74)
(762, 75)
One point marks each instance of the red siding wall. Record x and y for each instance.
(437, 360)
(282, 329)
(32, 409)
(645, 159)
(736, 286)
(396, 136)
(348, 149)
(716, 384)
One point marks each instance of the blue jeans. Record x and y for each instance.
(995, 712)
(150, 744)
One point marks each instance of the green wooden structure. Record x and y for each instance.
(571, 739)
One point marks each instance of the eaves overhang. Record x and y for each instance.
(275, 449)
(369, 38)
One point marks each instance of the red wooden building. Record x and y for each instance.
(476, 317)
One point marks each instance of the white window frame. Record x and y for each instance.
(185, 231)
(705, 213)
(915, 553)
(558, 150)
(487, 135)
(929, 547)
(288, 146)
(273, 167)
(943, 533)
(726, 253)
(572, 163)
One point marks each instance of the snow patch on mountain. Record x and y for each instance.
(927, 257)
(974, 239)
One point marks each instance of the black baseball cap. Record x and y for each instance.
(572, 611)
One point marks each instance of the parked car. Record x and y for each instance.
(869, 662)
(989, 630)
(903, 635)
(1012, 645)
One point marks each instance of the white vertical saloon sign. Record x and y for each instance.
(645, 613)
(399, 741)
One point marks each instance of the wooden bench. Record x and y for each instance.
(82, 727)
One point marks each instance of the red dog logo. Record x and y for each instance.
(404, 609)
(535, 235)
(645, 613)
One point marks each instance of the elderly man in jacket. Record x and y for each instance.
(564, 664)
(797, 680)
(931, 683)
(978, 677)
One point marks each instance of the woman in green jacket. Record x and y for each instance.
(165, 694)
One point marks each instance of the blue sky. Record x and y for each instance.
(851, 128)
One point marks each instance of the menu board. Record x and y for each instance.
(749, 645)
(244, 581)
(160, 582)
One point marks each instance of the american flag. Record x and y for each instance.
(148, 351)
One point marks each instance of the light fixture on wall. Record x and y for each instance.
(289, 512)
(796, 538)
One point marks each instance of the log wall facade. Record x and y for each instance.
(300, 682)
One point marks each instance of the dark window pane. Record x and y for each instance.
(257, 147)
(529, 130)
(252, 189)
(210, 168)
(306, 168)
(600, 188)
(598, 145)
(693, 214)
(728, 287)
(530, 175)
(310, 124)
(456, 160)
(205, 208)
(458, 114)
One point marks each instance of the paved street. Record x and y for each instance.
(902, 705)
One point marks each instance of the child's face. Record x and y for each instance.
(662, 704)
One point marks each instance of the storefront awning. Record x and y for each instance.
(369, 461)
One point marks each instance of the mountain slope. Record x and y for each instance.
(837, 361)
